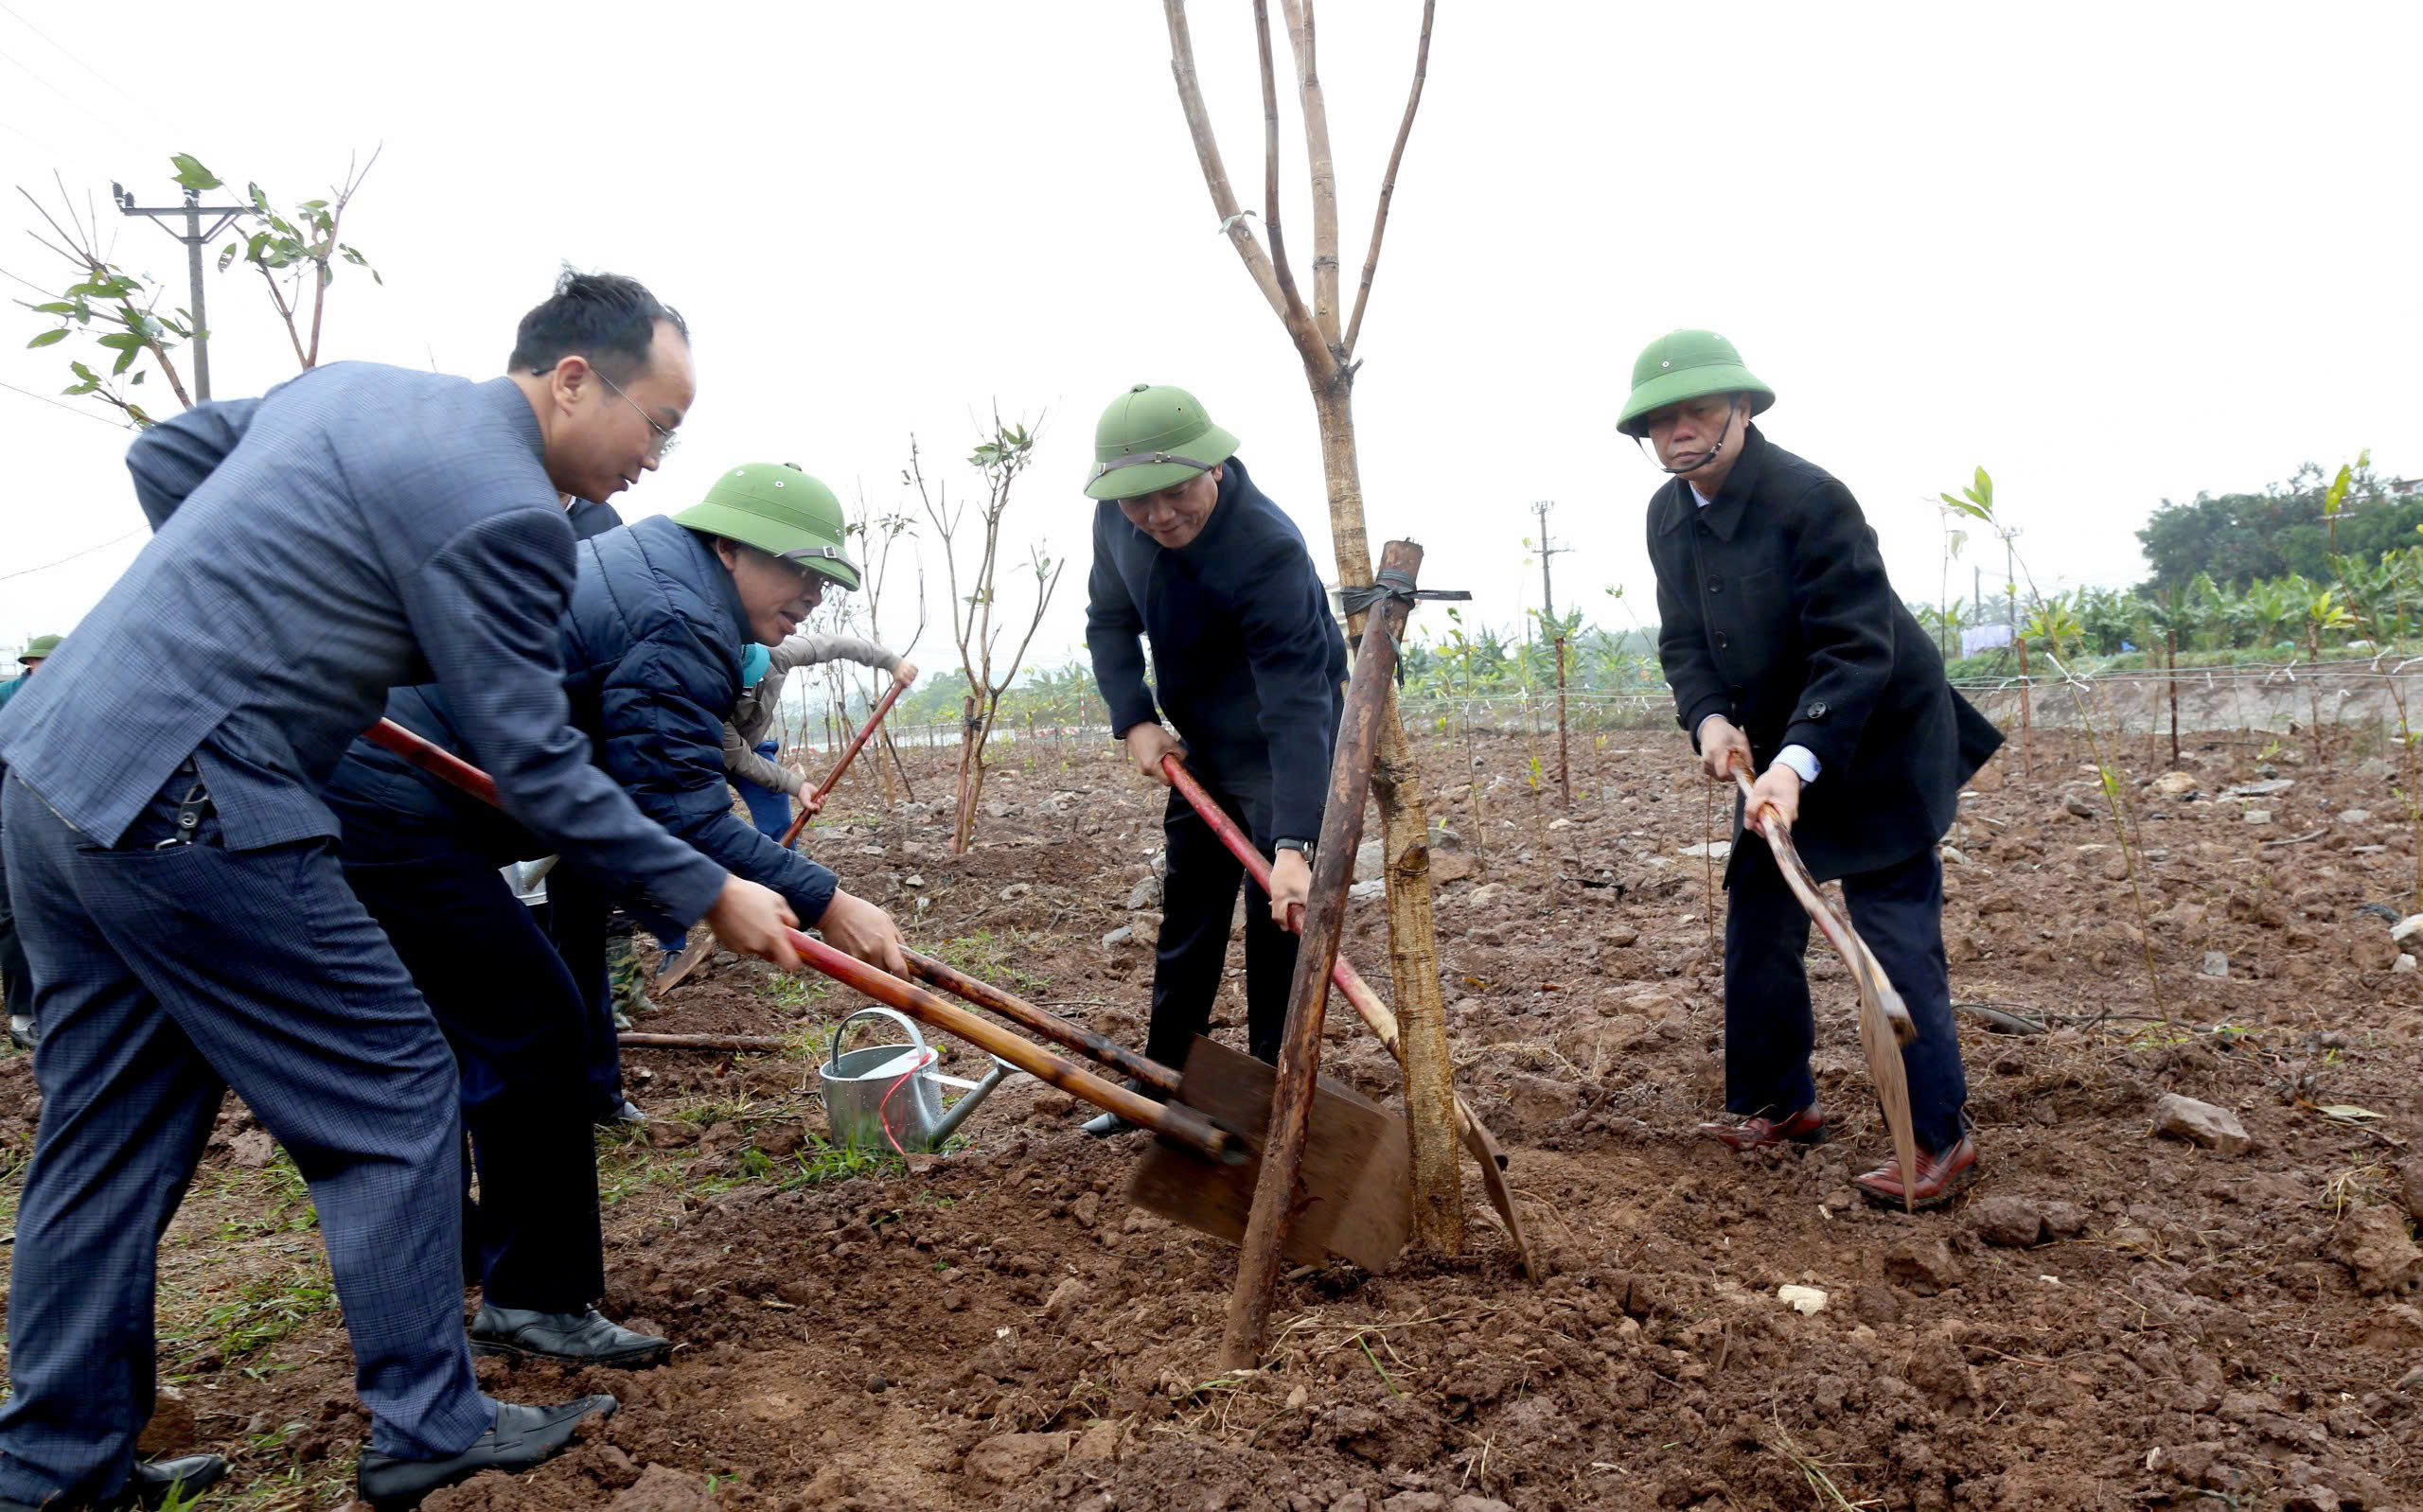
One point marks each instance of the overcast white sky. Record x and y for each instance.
(2115, 252)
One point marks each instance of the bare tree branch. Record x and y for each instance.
(1388, 179)
(327, 248)
(1324, 170)
(1216, 173)
(1294, 314)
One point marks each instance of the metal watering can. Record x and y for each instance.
(889, 1096)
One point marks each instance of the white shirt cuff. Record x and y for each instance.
(1800, 759)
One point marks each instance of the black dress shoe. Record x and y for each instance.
(522, 1438)
(150, 1485)
(582, 1338)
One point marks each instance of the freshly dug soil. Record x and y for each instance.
(2107, 1319)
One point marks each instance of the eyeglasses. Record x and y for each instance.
(662, 444)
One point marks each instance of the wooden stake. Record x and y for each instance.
(1349, 785)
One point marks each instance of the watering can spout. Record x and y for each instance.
(966, 1105)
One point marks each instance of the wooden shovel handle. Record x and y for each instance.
(849, 754)
(1836, 929)
(1173, 1120)
(1050, 1026)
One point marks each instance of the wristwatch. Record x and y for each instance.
(1303, 848)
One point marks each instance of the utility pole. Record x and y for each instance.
(1548, 549)
(195, 238)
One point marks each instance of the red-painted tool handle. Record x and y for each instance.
(849, 754)
(435, 760)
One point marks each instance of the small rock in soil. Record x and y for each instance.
(2065, 1221)
(660, 1489)
(1366, 891)
(1145, 894)
(2403, 964)
(2013, 1223)
(2216, 963)
(1013, 1459)
(2372, 1242)
(1065, 1296)
(253, 1150)
(1124, 935)
(2201, 1122)
(671, 1133)
(2355, 815)
(2406, 928)
(1054, 1104)
(1370, 859)
(2259, 816)
(1099, 1442)
(1805, 1300)
(1016, 891)
(1923, 1267)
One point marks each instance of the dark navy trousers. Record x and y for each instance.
(579, 912)
(1769, 1029)
(519, 1027)
(163, 976)
(1198, 898)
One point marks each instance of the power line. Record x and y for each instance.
(72, 409)
(62, 50)
(72, 556)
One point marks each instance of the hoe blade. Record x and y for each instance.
(1355, 1200)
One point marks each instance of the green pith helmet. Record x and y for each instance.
(1153, 437)
(777, 508)
(1684, 366)
(39, 647)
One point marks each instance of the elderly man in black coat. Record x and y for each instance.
(1790, 654)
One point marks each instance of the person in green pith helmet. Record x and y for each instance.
(1791, 656)
(1248, 664)
(667, 615)
(16, 977)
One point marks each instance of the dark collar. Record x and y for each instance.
(1723, 513)
(713, 582)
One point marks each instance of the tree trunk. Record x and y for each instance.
(1413, 945)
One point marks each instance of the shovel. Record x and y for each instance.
(1356, 1166)
(1202, 1171)
(677, 969)
(1374, 1013)
(1885, 1023)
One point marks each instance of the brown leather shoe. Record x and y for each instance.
(1807, 1127)
(1941, 1177)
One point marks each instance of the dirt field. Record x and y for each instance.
(2108, 1319)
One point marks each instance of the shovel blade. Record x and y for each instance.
(1355, 1194)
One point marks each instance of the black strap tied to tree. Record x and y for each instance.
(1389, 584)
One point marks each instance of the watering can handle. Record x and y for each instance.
(832, 1057)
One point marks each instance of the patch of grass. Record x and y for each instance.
(263, 1312)
(798, 990)
(630, 1171)
(997, 958)
(821, 1161)
(286, 1198)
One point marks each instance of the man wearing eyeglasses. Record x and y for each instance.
(668, 622)
(187, 920)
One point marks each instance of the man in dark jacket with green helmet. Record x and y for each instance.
(662, 619)
(1248, 663)
(1791, 656)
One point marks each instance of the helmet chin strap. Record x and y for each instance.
(1696, 460)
